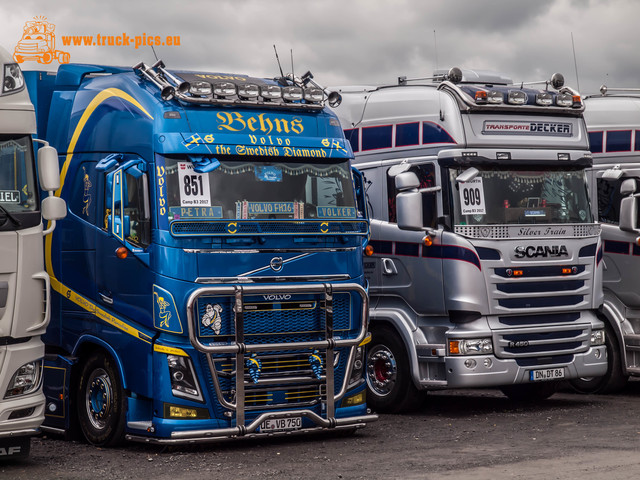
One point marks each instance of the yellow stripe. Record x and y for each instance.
(55, 283)
(169, 350)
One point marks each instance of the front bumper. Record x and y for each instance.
(251, 430)
(592, 363)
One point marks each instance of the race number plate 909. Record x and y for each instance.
(546, 374)
(281, 424)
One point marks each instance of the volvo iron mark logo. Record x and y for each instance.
(544, 251)
(276, 264)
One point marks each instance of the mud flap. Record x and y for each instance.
(15, 447)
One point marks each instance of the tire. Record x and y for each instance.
(46, 58)
(390, 388)
(530, 392)
(101, 402)
(612, 381)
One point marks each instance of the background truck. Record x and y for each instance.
(613, 123)
(24, 285)
(208, 278)
(484, 264)
(38, 43)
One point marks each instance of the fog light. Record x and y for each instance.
(495, 97)
(470, 363)
(598, 354)
(224, 89)
(315, 95)
(564, 100)
(185, 413)
(488, 363)
(357, 399)
(517, 97)
(597, 337)
(292, 94)
(271, 92)
(544, 99)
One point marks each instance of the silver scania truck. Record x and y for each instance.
(485, 259)
(613, 123)
(24, 283)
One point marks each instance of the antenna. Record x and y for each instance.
(154, 52)
(278, 60)
(293, 75)
(575, 62)
(435, 47)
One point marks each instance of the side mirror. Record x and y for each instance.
(48, 170)
(629, 206)
(54, 208)
(406, 181)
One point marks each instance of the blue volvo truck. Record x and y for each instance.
(208, 279)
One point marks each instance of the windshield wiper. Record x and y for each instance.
(10, 216)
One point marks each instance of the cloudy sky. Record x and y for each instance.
(356, 41)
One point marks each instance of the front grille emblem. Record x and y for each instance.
(276, 264)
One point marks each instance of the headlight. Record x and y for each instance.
(271, 92)
(183, 378)
(517, 97)
(292, 94)
(200, 88)
(471, 346)
(13, 80)
(544, 99)
(26, 380)
(315, 95)
(564, 100)
(597, 337)
(248, 91)
(224, 89)
(358, 364)
(494, 97)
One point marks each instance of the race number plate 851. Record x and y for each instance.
(194, 186)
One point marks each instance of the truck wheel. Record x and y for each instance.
(63, 57)
(612, 381)
(46, 58)
(390, 388)
(101, 402)
(530, 392)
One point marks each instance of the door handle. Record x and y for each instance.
(105, 298)
(388, 267)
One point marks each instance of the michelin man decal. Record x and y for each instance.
(212, 318)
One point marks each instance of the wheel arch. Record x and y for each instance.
(613, 317)
(86, 346)
(403, 326)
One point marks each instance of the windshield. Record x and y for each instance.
(261, 189)
(507, 196)
(17, 181)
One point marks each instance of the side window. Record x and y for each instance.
(426, 175)
(136, 209)
(609, 201)
(127, 198)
